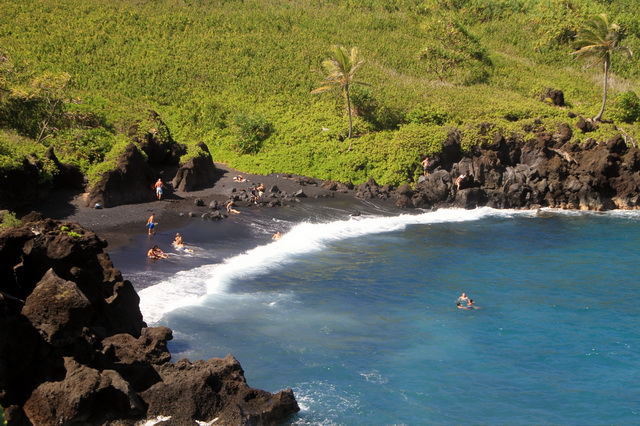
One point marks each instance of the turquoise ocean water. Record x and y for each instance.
(357, 313)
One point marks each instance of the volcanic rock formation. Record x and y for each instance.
(74, 347)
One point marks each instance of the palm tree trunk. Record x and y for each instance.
(604, 91)
(349, 112)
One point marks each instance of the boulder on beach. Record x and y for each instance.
(197, 173)
(129, 183)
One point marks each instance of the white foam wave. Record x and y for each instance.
(188, 287)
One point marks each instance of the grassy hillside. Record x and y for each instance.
(238, 76)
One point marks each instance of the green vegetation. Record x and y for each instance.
(69, 232)
(8, 220)
(597, 41)
(79, 75)
(340, 71)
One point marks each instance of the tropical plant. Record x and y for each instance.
(8, 220)
(251, 130)
(626, 107)
(596, 42)
(340, 71)
(454, 51)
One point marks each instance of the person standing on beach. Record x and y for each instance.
(151, 224)
(159, 186)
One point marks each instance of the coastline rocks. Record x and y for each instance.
(548, 171)
(20, 187)
(69, 175)
(74, 347)
(81, 396)
(197, 173)
(202, 390)
(57, 309)
(131, 182)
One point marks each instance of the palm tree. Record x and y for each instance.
(597, 40)
(339, 71)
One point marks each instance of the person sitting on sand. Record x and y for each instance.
(276, 236)
(155, 253)
(230, 207)
(256, 193)
(178, 239)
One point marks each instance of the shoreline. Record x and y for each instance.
(119, 225)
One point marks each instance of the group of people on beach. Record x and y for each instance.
(465, 299)
(255, 193)
(156, 253)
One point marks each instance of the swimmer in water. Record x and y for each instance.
(463, 298)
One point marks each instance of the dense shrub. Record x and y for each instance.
(626, 107)
(7, 220)
(250, 131)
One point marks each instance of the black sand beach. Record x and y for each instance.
(119, 224)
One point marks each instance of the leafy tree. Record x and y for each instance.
(251, 130)
(51, 88)
(596, 42)
(454, 51)
(340, 71)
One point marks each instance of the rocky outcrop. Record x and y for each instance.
(129, 183)
(156, 141)
(68, 176)
(508, 172)
(197, 173)
(29, 183)
(19, 187)
(74, 347)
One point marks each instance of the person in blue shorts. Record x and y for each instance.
(151, 224)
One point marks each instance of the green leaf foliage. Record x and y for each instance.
(626, 107)
(238, 75)
(7, 220)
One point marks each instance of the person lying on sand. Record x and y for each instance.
(155, 253)
(230, 208)
(239, 178)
